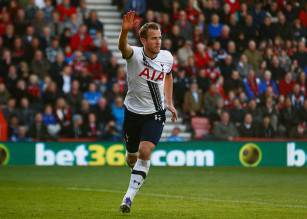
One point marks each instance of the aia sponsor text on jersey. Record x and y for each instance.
(152, 75)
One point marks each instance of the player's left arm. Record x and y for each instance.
(168, 92)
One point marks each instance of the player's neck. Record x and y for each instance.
(149, 54)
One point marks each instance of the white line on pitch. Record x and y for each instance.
(194, 198)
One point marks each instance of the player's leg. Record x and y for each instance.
(131, 130)
(150, 136)
(138, 174)
(131, 159)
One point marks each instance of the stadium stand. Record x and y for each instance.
(61, 75)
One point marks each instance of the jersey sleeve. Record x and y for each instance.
(170, 59)
(133, 55)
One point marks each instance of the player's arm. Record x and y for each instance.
(168, 92)
(127, 24)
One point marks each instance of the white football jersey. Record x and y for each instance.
(145, 77)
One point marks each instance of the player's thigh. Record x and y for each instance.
(131, 133)
(153, 127)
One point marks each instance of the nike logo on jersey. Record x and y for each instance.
(152, 75)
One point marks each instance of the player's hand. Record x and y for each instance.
(128, 21)
(172, 109)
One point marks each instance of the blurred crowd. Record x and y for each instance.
(58, 79)
(241, 64)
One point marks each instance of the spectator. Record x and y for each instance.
(211, 99)
(243, 67)
(193, 101)
(302, 112)
(65, 9)
(91, 127)
(237, 112)
(269, 110)
(104, 113)
(81, 40)
(286, 84)
(49, 119)
(303, 15)
(73, 23)
(22, 135)
(176, 38)
(267, 29)
(217, 53)
(301, 54)
(93, 24)
(38, 130)
(92, 95)
(215, 27)
(51, 93)
(56, 68)
(288, 117)
(74, 97)
(300, 131)
(39, 22)
(13, 124)
(63, 113)
(139, 6)
(212, 72)
(297, 97)
(185, 26)
(67, 79)
(77, 128)
(283, 27)
(40, 66)
(275, 68)
(175, 136)
(190, 68)
(302, 82)
(20, 22)
(254, 57)
(247, 128)
(25, 112)
(203, 81)
(4, 95)
(118, 112)
(227, 67)
(234, 84)
(48, 10)
(31, 10)
(94, 67)
(184, 53)
(111, 133)
(251, 84)
(225, 130)
(181, 84)
(254, 110)
(201, 56)
(298, 32)
(104, 54)
(267, 82)
(265, 129)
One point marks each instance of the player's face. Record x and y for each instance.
(153, 41)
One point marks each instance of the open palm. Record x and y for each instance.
(128, 21)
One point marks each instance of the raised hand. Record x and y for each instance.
(128, 21)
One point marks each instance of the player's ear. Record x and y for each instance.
(143, 40)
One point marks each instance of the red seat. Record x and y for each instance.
(200, 126)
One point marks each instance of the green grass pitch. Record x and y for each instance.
(169, 192)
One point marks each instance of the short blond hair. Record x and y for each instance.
(144, 29)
